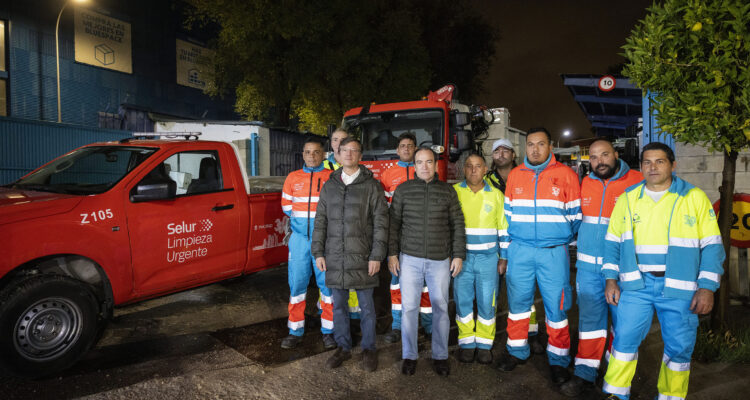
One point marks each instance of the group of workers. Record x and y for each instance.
(645, 241)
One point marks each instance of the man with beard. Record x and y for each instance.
(608, 179)
(543, 207)
(503, 161)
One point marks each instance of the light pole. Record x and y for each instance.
(57, 53)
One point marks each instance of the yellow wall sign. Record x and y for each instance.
(740, 220)
(102, 41)
(193, 62)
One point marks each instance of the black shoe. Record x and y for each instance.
(408, 366)
(536, 346)
(509, 362)
(291, 342)
(329, 342)
(559, 374)
(393, 336)
(369, 360)
(441, 367)
(337, 358)
(484, 356)
(466, 355)
(575, 386)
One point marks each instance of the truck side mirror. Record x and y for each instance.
(459, 119)
(463, 140)
(149, 190)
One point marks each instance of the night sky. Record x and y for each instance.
(541, 39)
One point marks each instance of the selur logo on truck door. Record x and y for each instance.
(186, 241)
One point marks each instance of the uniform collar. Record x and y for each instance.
(316, 169)
(404, 164)
(678, 186)
(487, 187)
(539, 168)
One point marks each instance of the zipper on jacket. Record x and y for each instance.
(599, 220)
(536, 211)
(343, 232)
(318, 185)
(427, 209)
(309, 200)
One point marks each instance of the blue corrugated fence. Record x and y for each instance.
(27, 144)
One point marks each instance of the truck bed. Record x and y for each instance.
(265, 184)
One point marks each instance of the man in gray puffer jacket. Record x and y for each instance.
(427, 243)
(349, 242)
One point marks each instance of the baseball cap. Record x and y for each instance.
(502, 142)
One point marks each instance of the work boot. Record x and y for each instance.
(466, 355)
(575, 386)
(329, 342)
(338, 357)
(536, 346)
(369, 360)
(559, 374)
(408, 366)
(442, 367)
(291, 341)
(484, 356)
(509, 362)
(393, 336)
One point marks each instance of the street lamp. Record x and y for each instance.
(57, 53)
(566, 133)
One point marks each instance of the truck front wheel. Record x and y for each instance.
(46, 323)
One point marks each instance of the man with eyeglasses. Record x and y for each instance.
(401, 172)
(349, 242)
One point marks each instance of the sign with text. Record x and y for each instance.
(102, 41)
(193, 62)
(740, 233)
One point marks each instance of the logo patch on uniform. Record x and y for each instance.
(298, 186)
(690, 220)
(555, 191)
(518, 190)
(487, 207)
(636, 218)
(586, 201)
(712, 214)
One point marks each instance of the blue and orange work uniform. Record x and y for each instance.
(543, 208)
(299, 200)
(598, 198)
(390, 179)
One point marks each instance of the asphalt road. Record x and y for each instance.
(222, 341)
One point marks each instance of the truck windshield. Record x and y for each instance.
(379, 132)
(89, 170)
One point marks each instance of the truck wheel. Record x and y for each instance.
(47, 323)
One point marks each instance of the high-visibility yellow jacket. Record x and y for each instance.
(677, 235)
(484, 219)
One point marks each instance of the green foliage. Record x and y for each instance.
(313, 60)
(694, 57)
(730, 345)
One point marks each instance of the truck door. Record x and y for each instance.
(193, 238)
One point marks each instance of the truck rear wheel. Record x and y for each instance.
(47, 323)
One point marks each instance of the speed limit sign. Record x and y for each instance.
(740, 233)
(607, 83)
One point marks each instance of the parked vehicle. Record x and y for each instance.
(450, 128)
(118, 222)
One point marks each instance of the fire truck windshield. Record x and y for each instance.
(379, 132)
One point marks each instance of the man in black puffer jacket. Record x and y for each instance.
(349, 242)
(427, 242)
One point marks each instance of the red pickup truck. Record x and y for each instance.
(118, 222)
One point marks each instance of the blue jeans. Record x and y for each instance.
(414, 273)
(341, 319)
